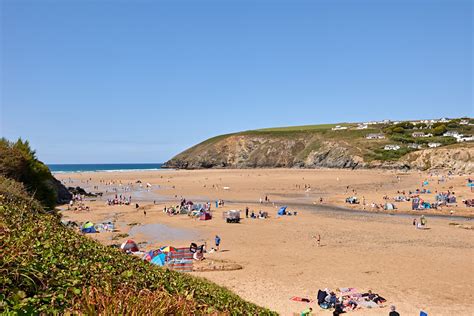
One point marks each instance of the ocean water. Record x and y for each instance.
(109, 167)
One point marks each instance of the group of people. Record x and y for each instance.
(261, 214)
(119, 200)
(420, 224)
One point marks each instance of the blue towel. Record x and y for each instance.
(422, 313)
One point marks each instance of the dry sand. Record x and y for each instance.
(413, 269)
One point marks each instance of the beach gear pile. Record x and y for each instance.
(282, 211)
(179, 259)
(88, 228)
(347, 299)
(445, 198)
(419, 204)
(352, 200)
(232, 216)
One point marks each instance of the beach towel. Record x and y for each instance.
(301, 299)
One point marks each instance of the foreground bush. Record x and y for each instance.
(49, 268)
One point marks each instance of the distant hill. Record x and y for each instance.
(395, 145)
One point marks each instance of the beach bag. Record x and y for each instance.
(321, 296)
(324, 305)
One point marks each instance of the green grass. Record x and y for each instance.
(302, 128)
(49, 269)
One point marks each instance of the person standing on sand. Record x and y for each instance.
(218, 242)
(144, 212)
(306, 312)
(393, 311)
(247, 212)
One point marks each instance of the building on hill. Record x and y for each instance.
(361, 126)
(391, 147)
(454, 134)
(339, 128)
(434, 145)
(464, 122)
(421, 134)
(375, 136)
(414, 146)
(465, 138)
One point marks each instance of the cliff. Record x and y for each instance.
(322, 147)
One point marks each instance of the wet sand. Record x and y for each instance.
(413, 269)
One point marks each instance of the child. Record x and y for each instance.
(218, 242)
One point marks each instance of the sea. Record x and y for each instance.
(104, 167)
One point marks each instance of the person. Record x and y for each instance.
(423, 220)
(338, 310)
(393, 311)
(137, 206)
(247, 212)
(414, 222)
(306, 312)
(218, 242)
(331, 299)
(144, 212)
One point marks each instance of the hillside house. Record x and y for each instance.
(391, 147)
(421, 134)
(339, 128)
(375, 136)
(434, 145)
(414, 146)
(454, 134)
(361, 126)
(465, 138)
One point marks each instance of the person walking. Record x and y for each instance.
(247, 212)
(218, 242)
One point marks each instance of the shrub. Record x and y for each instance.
(18, 161)
(439, 130)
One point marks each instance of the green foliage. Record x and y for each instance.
(402, 138)
(454, 123)
(387, 155)
(18, 161)
(405, 125)
(47, 268)
(439, 130)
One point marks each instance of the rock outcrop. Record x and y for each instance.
(315, 150)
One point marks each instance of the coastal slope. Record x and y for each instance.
(326, 146)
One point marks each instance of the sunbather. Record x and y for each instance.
(331, 299)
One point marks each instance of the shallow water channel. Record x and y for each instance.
(154, 233)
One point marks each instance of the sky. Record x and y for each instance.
(139, 81)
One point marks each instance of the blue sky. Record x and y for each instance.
(139, 81)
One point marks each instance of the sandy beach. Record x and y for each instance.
(366, 248)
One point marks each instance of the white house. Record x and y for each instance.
(414, 146)
(375, 136)
(465, 138)
(421, 134)
(391, 147)
(361, 126)
(339, 128)
(464, 122)
(434, 145)
(452, 134)
(443, 120)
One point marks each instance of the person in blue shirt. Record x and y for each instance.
(218, 242)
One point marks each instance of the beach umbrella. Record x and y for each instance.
(167, 249)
